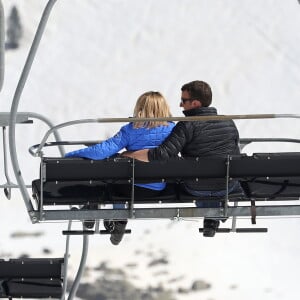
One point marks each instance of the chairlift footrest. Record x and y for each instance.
(221, 230)
(78, 232)
(251, 230)
(240, 230)
(127, 231)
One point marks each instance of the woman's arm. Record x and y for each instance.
(104, 149)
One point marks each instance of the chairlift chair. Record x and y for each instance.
(265, 177)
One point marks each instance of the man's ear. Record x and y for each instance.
(196, 103)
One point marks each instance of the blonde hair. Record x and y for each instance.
(151, 105)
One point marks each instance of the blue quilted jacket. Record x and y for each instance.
(131, 139)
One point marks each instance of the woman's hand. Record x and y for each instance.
(139, 155)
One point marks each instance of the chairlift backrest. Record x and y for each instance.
(237, 166)
(31, 278)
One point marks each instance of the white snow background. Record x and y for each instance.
(96, 58)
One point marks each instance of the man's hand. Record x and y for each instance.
(139, 155)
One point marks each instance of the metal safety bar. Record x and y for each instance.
(183, 119)
(243, 143)
(60, 144)
(246, 141)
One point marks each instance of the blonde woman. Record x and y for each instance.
(132, 137)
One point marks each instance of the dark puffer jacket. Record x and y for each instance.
(200, 139)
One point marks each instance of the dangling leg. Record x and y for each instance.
(117, 228)
(210, 227)
(118, 232)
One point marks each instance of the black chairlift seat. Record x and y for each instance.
(263, 176)
(31, 278)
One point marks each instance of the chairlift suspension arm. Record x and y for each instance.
(16, 100)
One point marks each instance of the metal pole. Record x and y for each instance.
(76, 283)
(2, 44)
(66, 262)
(16, 100)
(8, 181)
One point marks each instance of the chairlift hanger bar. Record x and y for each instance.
(16, 100)
(183, 119)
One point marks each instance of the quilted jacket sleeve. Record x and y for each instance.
(173, 144)
(104, 149)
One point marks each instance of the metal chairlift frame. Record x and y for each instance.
(152, 213)
(50, 215)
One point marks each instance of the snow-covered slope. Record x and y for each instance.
(97, 57)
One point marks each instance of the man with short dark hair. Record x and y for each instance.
(211, 138)
(198, 90)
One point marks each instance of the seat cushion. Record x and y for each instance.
(69, 192)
